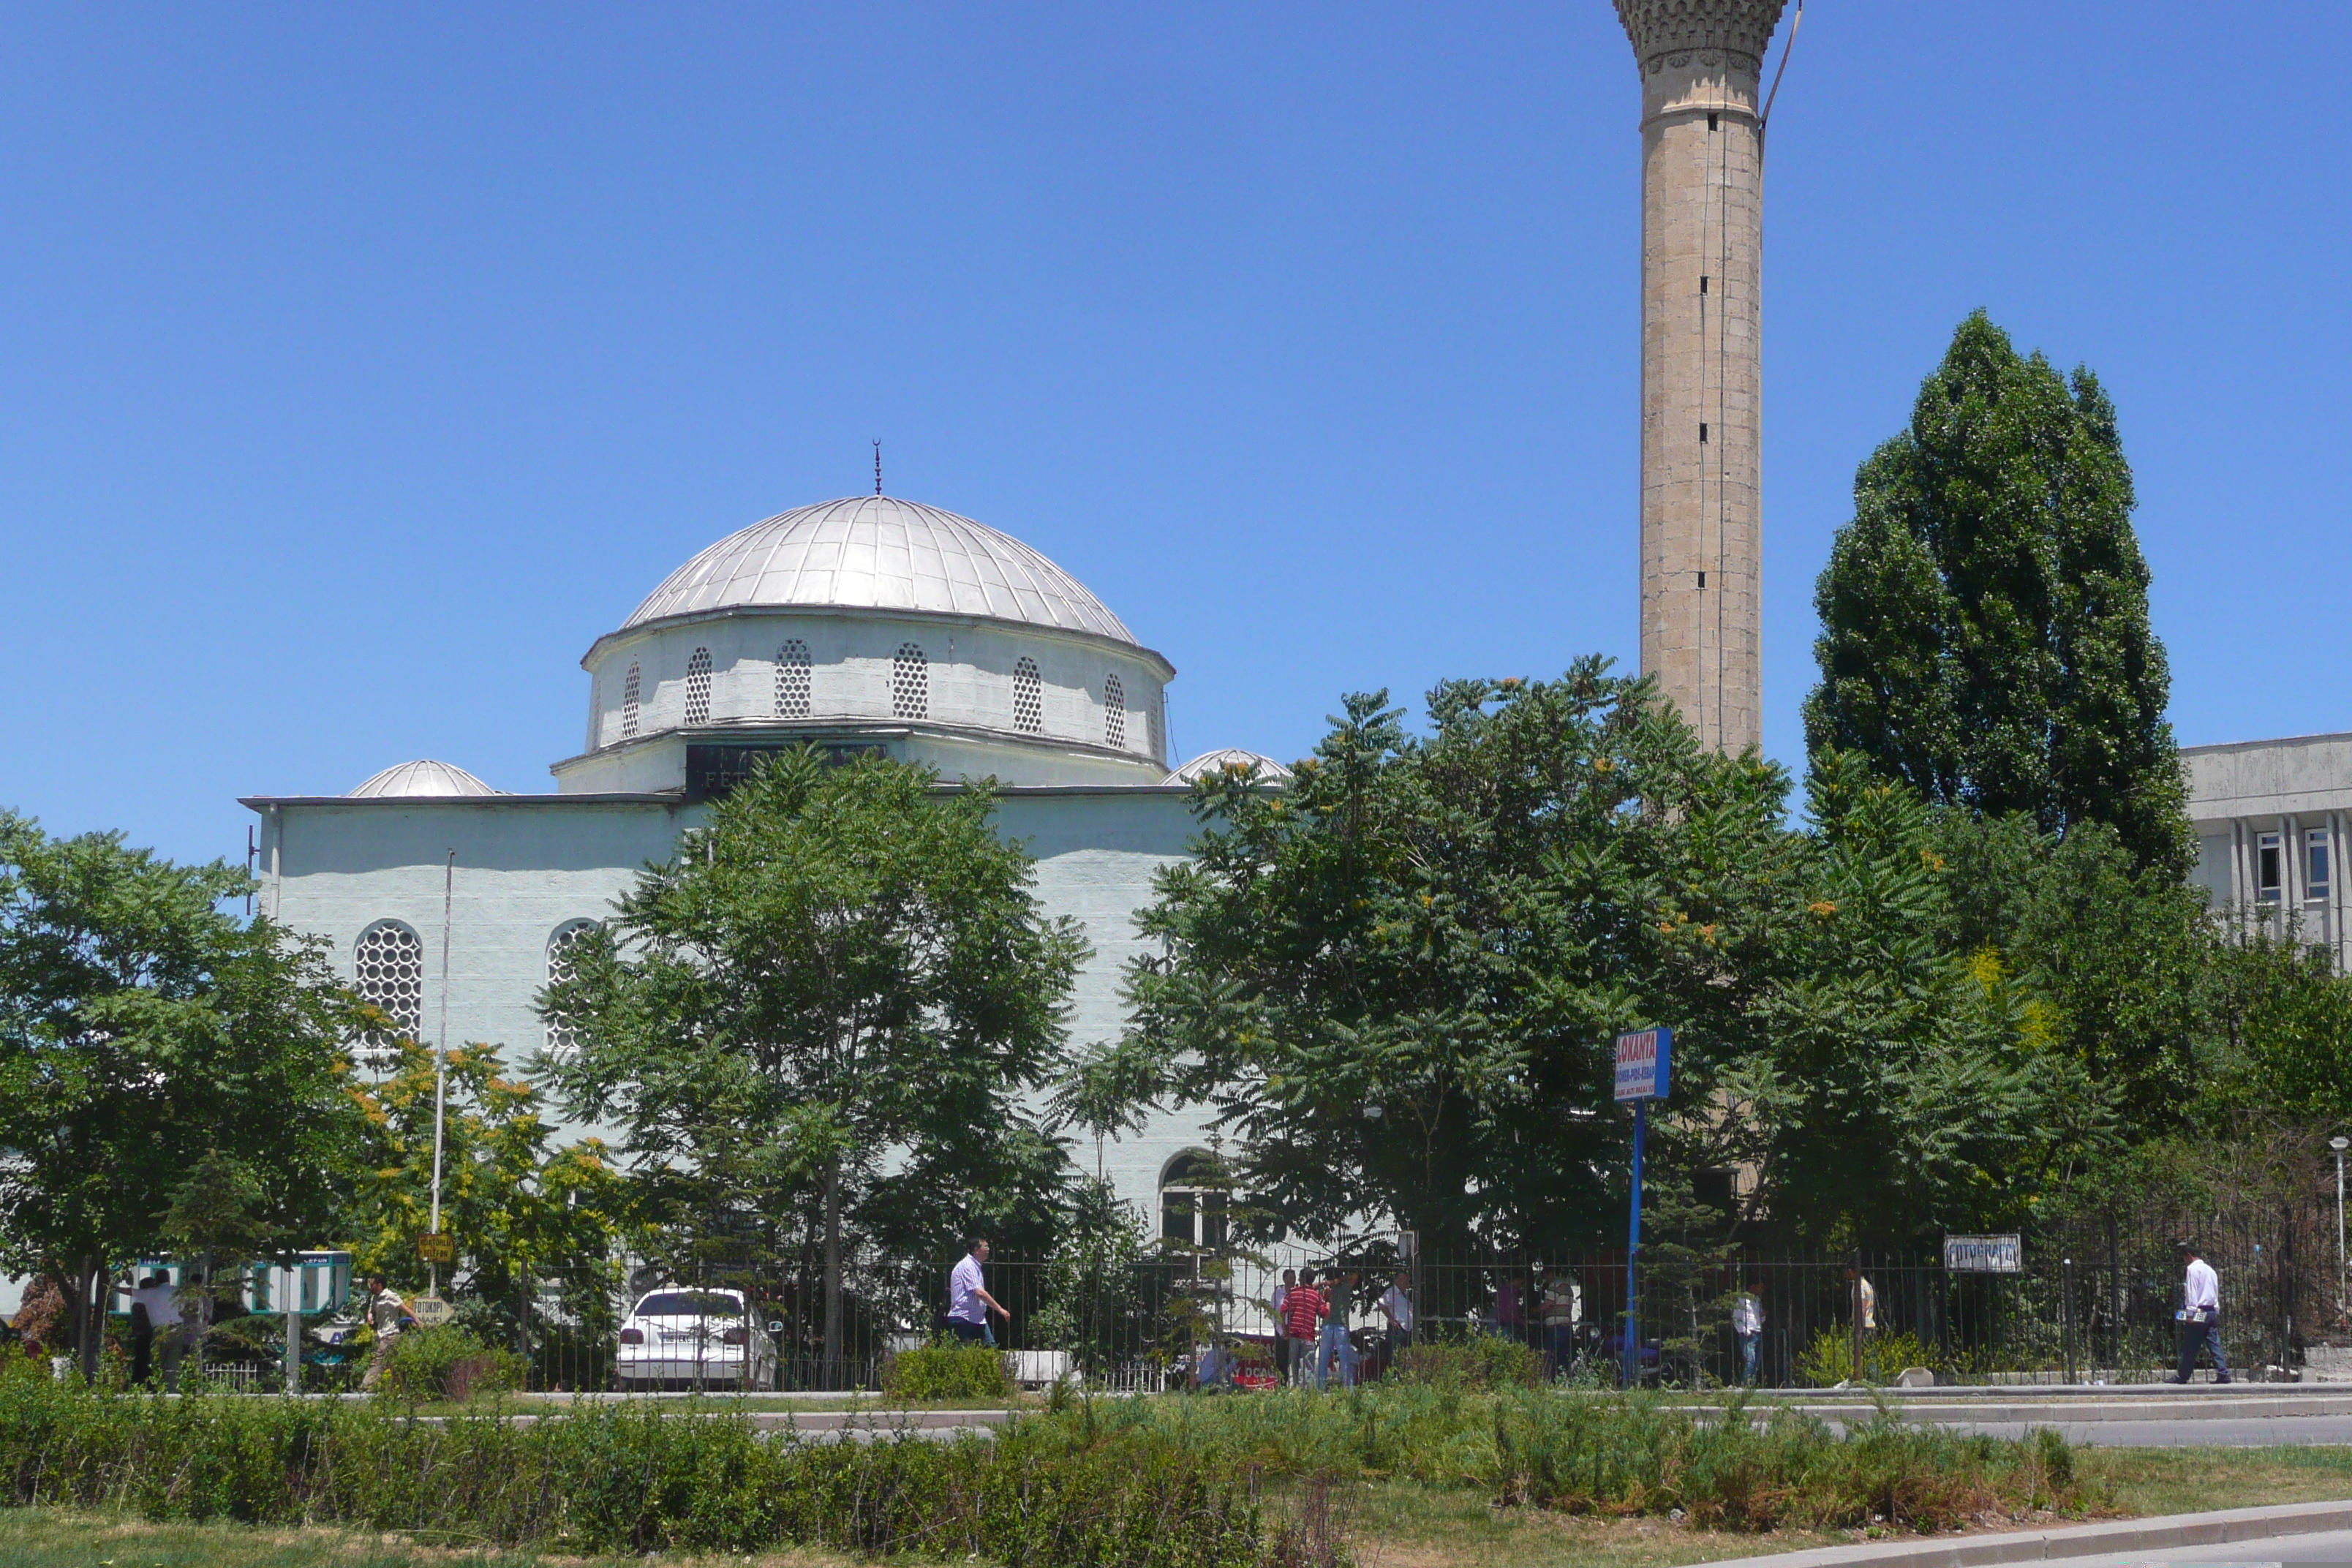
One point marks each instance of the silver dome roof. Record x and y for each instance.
(425, 779)
(879, 552)
(1257, 765)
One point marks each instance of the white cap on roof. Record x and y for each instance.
(424, 779)
(1259, 765)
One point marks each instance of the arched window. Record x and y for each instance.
(1114, 712)
(1028, 697)
(629, 705)
(388, 961)
(697, 686)
(561, 1040)
(793, 680)
(910, 683)
(1194, 1198)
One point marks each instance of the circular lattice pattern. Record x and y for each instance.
(1114, 712)
(561, 1039)
(911, 682)
(1028, 697)
(389, 964)
(697, 686)
(793, 680)
(629, 689)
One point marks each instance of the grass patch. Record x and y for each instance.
(2143, 1481)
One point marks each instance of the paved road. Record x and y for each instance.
(2333, 1547)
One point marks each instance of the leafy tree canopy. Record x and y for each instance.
(830, 1006)
(1397, 982)
(145, 1034)
(1985, 635)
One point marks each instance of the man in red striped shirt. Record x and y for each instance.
(1302, 1310)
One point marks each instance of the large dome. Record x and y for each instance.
(424, 779)
(879, 552)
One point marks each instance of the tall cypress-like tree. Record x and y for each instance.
(1984, 617)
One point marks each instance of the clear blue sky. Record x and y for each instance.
(362, 364)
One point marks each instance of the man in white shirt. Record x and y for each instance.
(1748, 1326)
(1281, 1302)
(1396, 1305)
(969, 1302)
(388, 1315)
(2200, 1315)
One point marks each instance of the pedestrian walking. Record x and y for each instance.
(155, 1327)
(1563, 1314)
(1396, 1305)
(388, 1315)
(1301, 1307)
(1281, 1325)
(1748, 1328)
(1338, 1299)
(2199, 1315)
(969, 1302)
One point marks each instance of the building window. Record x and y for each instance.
(1154, 724)
(1194, 1201)
(1114, 712)
(2266, 868)
(1028, 697)
(629, 705)
(389, 964)
(793, 680)
(697, 686)
(562, 1040)
(2314, 861)
(910, 683)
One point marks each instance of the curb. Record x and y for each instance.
(2081, 1540)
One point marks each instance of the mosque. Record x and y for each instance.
(866, 626)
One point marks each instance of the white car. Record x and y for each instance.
(678, 1337)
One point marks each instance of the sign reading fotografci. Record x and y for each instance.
(1643, 1063)
(1983, 1255)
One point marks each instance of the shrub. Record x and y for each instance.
(447, 1362)
(947, 1372)
(626, 1477)
(1829, 1360)
(1477, 1361)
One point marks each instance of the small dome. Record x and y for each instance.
(879, 553)
(1265, 768)
(423, 779)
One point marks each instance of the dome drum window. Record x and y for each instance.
(910, 683)
(1028, 698)
(793, 680)
(697, 686)
(629, 706)
(1114, 714)
(388, 961)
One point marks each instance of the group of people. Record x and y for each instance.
(1311, 1319)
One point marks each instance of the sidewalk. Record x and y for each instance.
(2126, 1536)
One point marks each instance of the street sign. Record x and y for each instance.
(430, 1312)
(1983, 1255)
(1643, 1063)
(436, 1247)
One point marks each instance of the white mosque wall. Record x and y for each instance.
(969, 672)
(528, 865)
(658, 763)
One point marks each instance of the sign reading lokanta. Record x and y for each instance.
(1643, 1063)
(1983, 1255)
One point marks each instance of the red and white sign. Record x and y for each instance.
(1643, 1063)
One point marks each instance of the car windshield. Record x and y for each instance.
(690, 1304)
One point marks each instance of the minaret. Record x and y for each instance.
(1702, 250)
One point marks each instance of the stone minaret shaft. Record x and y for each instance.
(1702, 251)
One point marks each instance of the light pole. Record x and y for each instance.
(2339, 1144)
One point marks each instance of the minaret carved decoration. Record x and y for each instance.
(1702, 255)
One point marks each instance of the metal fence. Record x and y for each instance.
(2091, 1299)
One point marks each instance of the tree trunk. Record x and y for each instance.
(833, 1271)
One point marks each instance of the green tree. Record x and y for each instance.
(1397, 981)
(142, 1034)
(520, 1207)
(1984, 617)
(831, 1002)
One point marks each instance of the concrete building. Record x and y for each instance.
(2271, 819)
(865, 625)
(1702, 370)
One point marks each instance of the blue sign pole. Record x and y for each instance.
(1633, 1255)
